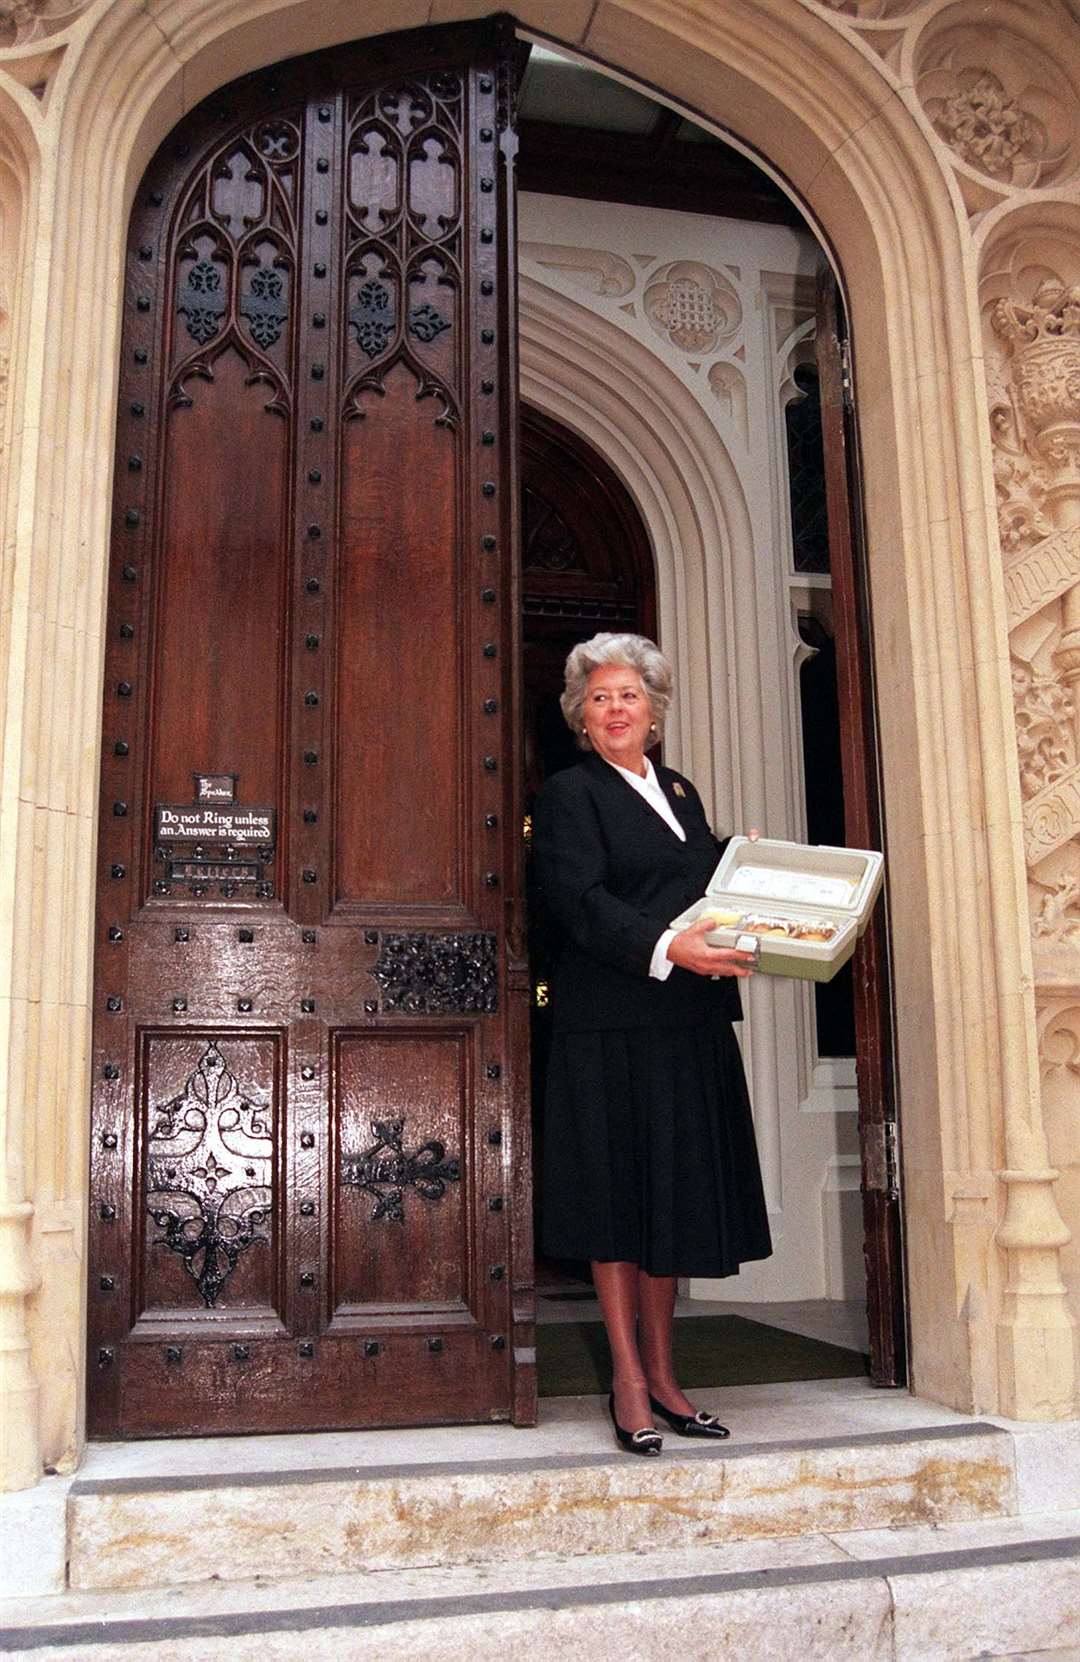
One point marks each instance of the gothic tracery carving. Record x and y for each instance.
(22, 21)
(403, 233)
(1000, 102)
(693, 306)
(233, 275)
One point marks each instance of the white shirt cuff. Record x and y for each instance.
(660, 965)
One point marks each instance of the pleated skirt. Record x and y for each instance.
(649, 1151)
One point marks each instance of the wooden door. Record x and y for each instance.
(863, 824)
(309, 1192)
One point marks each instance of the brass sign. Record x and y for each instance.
(215, 787)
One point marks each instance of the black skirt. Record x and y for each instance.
(649, 1151)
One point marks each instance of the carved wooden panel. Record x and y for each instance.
(585, 556)
(398, 810)
(310, 1005)
(210, 1175)
(401, 1172)
(219, 616)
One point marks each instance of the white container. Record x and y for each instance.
(804, 906)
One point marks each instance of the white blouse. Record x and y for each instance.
(649, 787)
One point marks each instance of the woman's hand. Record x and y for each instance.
(691, 951)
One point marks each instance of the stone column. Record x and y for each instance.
(1036, 1336)
(20, 1453)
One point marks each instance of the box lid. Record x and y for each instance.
(844, 882)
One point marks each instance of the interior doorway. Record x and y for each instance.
(586, 565)
(663, 256)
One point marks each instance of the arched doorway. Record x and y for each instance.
(322, 316)
(871, 171)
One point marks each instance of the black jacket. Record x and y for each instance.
(611, 876)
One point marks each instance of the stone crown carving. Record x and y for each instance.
(1043, 340)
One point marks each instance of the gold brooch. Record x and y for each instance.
(677, 788)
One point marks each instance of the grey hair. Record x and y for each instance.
(633, 650)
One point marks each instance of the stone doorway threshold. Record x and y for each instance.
(875, 1521)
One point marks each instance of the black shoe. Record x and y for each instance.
(700, 1424)
(646, 1441)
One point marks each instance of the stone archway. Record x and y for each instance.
(86, 93)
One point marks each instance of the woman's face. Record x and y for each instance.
(617, 715)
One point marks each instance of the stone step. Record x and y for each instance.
(949, 1591)
(162, 1529)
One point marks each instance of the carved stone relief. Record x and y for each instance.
(1031, 312)
(728, 384)
(1000, 102)
(694, 307)
(865, 11)
(29, 20)
(592, 269)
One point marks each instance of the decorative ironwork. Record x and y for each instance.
(201, 301)
(385, 1170)
(438, 974)
(265, 306)
(209, 1173)
(373, 317)
(426, 323)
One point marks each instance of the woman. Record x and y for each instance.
(650, 1166)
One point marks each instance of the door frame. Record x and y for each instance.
(864, 821)
(588, 376)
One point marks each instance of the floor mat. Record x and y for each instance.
(572, 1357)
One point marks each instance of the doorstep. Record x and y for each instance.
(992, 1588)
(804, 1457)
